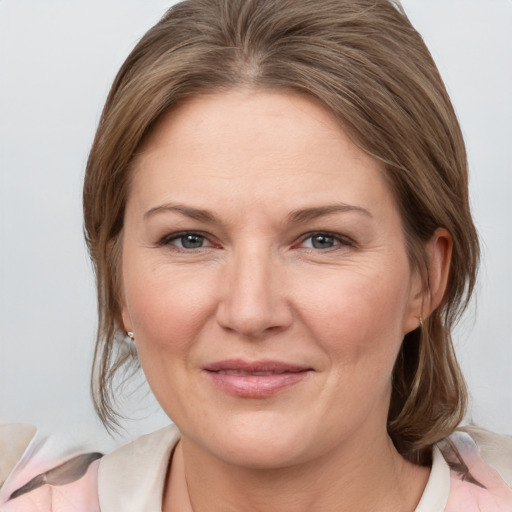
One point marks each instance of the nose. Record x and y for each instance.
(254, 299)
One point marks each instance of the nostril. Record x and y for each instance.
(253, 298)
(254, 323)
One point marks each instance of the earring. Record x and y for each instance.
(420, 319)
(130, 335)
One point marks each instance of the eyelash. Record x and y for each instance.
(168, 239)
(339, 240)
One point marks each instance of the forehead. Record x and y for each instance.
(247, 119)
(256, 146)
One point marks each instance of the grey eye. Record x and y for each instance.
(323, 241)
(191, 241)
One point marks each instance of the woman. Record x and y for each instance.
(276, 207)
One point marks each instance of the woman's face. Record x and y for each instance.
(266, 279)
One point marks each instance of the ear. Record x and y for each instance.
(428, 290)
(114, 262)
(125, 315)
(439, 254)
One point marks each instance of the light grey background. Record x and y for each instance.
(57, 60)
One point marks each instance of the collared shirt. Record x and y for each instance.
(132, 479)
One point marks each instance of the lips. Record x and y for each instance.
(255, 379)
(247, 374)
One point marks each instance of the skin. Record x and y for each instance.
(258, 286)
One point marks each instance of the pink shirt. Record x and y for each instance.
(131, 479)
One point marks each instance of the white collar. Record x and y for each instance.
(132, 477)
(436, 493)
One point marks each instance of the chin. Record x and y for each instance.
(257, 441)
(262, 454)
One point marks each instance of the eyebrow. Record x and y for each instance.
(296, 216)
(307, 214)
(193, 213)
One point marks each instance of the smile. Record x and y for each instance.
(254, 379)
(247, 374)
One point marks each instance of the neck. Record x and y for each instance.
(373, 477)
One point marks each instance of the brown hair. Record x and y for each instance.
(365, 62)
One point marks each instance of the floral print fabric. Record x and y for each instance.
(474, 485)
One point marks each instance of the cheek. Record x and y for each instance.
(166, 306)
(167, 310)
(359, 317)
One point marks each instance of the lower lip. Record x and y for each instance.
(256, 386)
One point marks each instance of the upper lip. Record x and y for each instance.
(252, 367)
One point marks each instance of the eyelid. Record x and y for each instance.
(342, 240)
(170, 237)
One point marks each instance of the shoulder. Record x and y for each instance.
(14, 441)
(36, 475)
(133, 476)
(130, 478)
(495, 450)
(481, 467)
